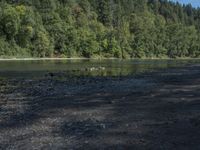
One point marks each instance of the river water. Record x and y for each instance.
(90, 67)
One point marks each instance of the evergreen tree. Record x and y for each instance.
(105, 28)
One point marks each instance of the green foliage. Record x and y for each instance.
(105, 28)
(10, 21)
(4, 48)
(42, 46)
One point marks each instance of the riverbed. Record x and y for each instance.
(90, 104)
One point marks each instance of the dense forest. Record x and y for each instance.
(99, 28)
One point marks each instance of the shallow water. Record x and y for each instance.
(35, 68)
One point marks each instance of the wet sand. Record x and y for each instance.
(152, 111)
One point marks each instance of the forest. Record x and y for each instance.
(99, 29)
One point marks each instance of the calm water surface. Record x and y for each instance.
(35, 68)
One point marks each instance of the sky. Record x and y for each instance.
(195, 3)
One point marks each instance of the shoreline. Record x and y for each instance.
(54, 58)
(28, 59)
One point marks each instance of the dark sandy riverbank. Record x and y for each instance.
(152, 111)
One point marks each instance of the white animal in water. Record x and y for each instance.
(95, 68)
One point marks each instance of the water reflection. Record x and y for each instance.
(86, 67)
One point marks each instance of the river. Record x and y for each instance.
(90, 67)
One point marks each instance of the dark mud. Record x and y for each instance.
(151, 111)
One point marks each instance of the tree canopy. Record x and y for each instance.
(99, 28)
